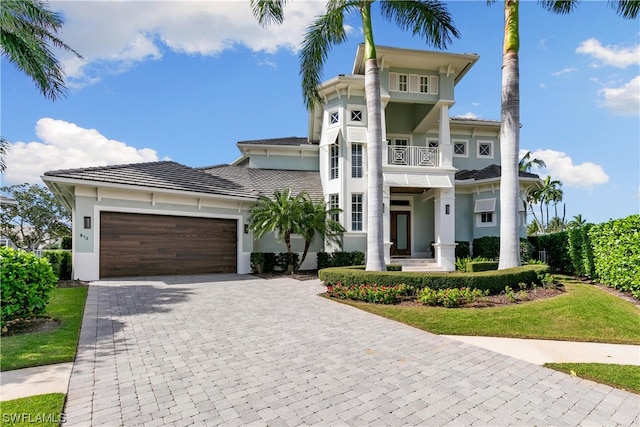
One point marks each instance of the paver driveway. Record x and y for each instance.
(237, 350)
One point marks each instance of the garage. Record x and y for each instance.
(148, 245)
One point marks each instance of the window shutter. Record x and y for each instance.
(413, 83)
(433, 85)
(485, 205)
(393, 82)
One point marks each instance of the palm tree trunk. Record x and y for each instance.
(510, 141)
(375, 230)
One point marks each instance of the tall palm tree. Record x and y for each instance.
(28, 31)
(316, 219)
(577, 221)
(281, 213)
(526, 163)
(547, 193)
(510, 116)
(428, 19)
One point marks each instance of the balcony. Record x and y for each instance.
(412, 156)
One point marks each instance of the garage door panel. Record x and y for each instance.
(142, 244)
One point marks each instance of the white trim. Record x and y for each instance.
(481, 224)
(330, 113)
(491, 152)
(330, 136)
(466, 147)
(363, 112)
(484, 205)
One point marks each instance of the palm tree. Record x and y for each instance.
(28, 31)
(318, 219)
(4, 147)
(555, 225)
(577, 221)
(428, 19)
(546, 194)
(510, 117)
(281, 213)
(526, 163)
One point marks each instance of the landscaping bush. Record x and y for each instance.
(26, 282)
(616, 253)
(486, 247)
(492, 281)
(339, 259)
(368, 293)
(476, 266)
(461, 263)
(286, 261)
(526, 250)
(557, 247)
(463, 250)
(588, 262)
(576, 250)
(60, 262)
(262, 262)
(323, 259)
(450, 297)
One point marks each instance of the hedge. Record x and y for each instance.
(60, 263)
(616, 253)
(476, 266)
(339, 259)
(556, 246)
(492, 281)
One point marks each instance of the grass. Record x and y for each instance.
(583, 313)
(44, 410)
(625, 377)
(44, 348)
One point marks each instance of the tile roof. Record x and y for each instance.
(491, 171)
(291, 141)
(163, 175)
(266, 181)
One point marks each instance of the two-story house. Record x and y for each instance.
(441, 182)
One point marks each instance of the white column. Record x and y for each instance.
(386, 215)
(444, 136)
(445, 228)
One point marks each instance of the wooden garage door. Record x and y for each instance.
(149, 245)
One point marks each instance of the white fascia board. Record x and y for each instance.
(100, 184)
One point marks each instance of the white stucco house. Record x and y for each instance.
(441, 182)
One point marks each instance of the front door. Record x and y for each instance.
(401, 233)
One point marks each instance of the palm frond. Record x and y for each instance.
(628, 9)
(428, 19)
(561, 7)
(268, 12)
(327, 31)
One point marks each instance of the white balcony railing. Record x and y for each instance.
(412, 156)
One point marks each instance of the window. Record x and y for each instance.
(334, 203)
(356, 160)
(424, 84)
(334, 156)
(484, 210)
(334, 117)
(460, 148)
(356, 115)
(485, 149)
(399, 142)
(356, 212)
(432, 143)
(403, 83)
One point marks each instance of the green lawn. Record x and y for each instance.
(43, 411)
(583, 313)
(44, 348)
(625, 377)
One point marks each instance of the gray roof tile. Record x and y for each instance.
(491, 171)
(291, 140)
(164, 175)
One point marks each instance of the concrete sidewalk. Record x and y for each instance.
(55, 378)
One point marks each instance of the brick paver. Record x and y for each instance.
(237, 350)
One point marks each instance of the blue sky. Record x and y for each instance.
(187, 80)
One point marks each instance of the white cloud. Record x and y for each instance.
(565, 70)
(115, 36)
(560, 166)
(623, 100)
(468, 115)
(66, 145)
(615, 56)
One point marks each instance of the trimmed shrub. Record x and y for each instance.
(616, 252)
(262, 262)
(26, 282)
(368, 293)
(588, 261)
(476, 266)
(526, 250)
(557, 247)
(450, 297)
(339, 259)
(492, 281)
(60, 262)
(323, 259)
(394, 267)
(285, 261)
(487, 247)
(576, 250)
(463, 249)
